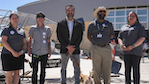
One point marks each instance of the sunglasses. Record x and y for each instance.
(40, 16)
(102, 11)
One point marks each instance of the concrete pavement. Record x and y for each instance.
(53, 74)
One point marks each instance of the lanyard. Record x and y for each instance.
(99, 29)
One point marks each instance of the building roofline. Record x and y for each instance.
(35, 2)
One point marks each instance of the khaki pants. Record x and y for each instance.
(102, 61)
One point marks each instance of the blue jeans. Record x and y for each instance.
(75, 65)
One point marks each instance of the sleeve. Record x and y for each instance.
(80, 36)
(31, 31)
(119, 35)
(59, 36)
(112, 29)
(142, 32)
(89, 32)
(49, 33)
(5, 32)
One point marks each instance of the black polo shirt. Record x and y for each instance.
(130, 34)
(15, 39)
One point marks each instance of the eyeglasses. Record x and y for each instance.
(102, 11)
(14, 18)
(132, 16)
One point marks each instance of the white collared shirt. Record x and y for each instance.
(70, 26)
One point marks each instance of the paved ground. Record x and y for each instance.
(53, 74)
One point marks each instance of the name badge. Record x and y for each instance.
(99, 35)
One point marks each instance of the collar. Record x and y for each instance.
(14, 28)
(133, 24)
(97, 21)
(36, 26)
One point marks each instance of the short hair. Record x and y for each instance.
(69, 6)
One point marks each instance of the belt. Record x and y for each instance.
(101, 45)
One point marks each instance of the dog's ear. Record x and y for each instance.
(82, 80)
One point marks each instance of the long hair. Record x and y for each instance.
(11, 16)
(135, 15)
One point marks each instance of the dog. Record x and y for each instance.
(85, 79)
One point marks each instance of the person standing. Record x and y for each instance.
(131, 39)
(100, 33)
(39, 46)
(69, 33)
(14, 46)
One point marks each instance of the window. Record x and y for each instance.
(120, 13)
(120, 19)
(110, 19)
(127, 12)
(111, 13)
(142, 18)
(118, 26)
(142, 12)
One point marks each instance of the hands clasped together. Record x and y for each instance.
(71, 49)
(128, 48)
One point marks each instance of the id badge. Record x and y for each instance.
(99, 35)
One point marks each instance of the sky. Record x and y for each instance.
(13, 4)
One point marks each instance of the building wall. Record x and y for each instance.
(55, 9)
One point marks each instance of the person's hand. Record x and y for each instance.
(71, 49)
(124, 48)
(20, 53)
(129, 48)
(15, 54)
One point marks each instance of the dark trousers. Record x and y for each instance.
(134, 62)
(43, 62)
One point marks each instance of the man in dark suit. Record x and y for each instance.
(69, 34)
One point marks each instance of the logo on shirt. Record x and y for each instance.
(12, 32)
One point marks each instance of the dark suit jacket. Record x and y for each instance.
(63, 35)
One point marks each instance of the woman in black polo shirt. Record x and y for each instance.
(14, 42)
(130, 39)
